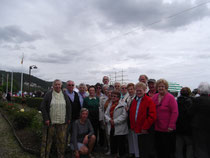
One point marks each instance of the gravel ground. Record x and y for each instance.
(9, 147)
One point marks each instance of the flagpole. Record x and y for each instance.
(21, 84)
(11, 82)
(7, 83)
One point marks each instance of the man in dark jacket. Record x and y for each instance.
(75, 104)
(201, 122)
(56, 113)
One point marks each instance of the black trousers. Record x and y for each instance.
(102, 135)
(117, 143)
(201, 143)
(165, 144)
(146, 145)
(95, 125)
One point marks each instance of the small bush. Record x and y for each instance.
(37, 125)
(10, 108)
(23, 119)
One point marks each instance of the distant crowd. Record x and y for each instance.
(127, 120)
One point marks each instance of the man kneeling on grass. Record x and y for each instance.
(83, 137)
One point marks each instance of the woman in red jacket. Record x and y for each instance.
(142, 115)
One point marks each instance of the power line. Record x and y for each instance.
(118, 77)
(150, 24)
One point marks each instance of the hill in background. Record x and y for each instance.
(36, 83)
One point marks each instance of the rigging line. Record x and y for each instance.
(153, 23)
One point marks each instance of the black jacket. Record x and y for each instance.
(75, 107)
(201, 113)
(183, 124)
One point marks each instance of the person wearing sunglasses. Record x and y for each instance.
(116, 119)
(98, 88)
(75, 103)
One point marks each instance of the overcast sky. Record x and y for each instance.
(83, 40)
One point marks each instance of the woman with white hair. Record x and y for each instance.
(201, 122)
(56, 113)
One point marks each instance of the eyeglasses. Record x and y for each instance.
(114, 96)
(123, 88)
(70, 84)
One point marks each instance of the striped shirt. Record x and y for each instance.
(57, 108)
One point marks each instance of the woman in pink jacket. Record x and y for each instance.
(165, 125)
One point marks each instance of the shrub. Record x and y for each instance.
(2, 104)
(17, 100)
(23, 119)
(34, 102)
(30, 102)
(37, 125)
(10, 108)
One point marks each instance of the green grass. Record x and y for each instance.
(9, 147)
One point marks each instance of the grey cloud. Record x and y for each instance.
(72, 53)
(143, 13)
(94, 72)
(11, 47)
(51, 59)
(66, 56)
(138, 70)
(32, 47)
(154, 71)
(14, 34)
(203, 56)
(144, 56)
(13, 68)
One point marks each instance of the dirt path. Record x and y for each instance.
(9, 147)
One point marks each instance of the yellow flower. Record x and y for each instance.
(22, 110)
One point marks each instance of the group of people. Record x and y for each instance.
(134, 120)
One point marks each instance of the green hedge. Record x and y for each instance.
(17, 100)
(30, 102)
(34, 102)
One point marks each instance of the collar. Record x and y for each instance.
(57, 92)
(138, 98)
(92, 98)
(70, 92)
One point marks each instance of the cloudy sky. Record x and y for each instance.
(83, 40)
